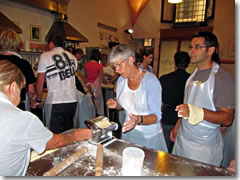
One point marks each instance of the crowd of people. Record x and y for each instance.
(189, 115)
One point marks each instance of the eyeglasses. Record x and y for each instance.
(196, 46)
(117, 65)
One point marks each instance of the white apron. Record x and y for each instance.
(85, 110)
(202, 142)
(135, 102)
(97, 93)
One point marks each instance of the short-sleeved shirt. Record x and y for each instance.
(20, 131)
(224, 88)
(26, 69)
(173, 85)
(93, 69)
(59, 66)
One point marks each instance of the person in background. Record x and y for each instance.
(208, 105)
(82, 60)
(86, 107)
(138, 92)
(94, 72)
(108, 71)
(21, 131)
(138, 59)
(147, 58)
(10, 43)
(58, 67)
(173, 85)
(81, 81)
(229, 137)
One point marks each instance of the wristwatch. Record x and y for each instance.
(141, 122)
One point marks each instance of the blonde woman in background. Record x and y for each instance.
(10, 43)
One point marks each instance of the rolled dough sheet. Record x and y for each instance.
(34, 156)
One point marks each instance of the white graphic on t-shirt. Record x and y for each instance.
(63, 67)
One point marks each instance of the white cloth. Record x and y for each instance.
(59, 66)
(97, 92)
(202, 142)
(20, 131)
(12, 53)
(85, 109)
(135, 102)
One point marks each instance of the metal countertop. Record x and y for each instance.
(156, 163)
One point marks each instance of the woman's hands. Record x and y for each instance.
(131, 123)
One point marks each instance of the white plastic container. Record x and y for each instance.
(132, 161)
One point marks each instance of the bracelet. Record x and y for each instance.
(141, 122)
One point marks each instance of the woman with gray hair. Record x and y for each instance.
(21, 131)
(139, 94)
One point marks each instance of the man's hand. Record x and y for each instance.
(231, 166)
(195, 114)
(183, 110)
(174, 131)
(34, 104)
(59, 140)
(82, 134)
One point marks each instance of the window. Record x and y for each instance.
(147, 42)
(190, 11)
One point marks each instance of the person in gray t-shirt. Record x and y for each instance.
(208, 105)
(21, 131)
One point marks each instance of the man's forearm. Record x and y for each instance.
(39, 90)
(223, 117)
(39, 85)
(59, 140)
(31, 91)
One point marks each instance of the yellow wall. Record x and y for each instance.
(26, 15)
(224, 28)
(85, 14)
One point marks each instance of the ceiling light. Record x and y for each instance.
(174, 1)
(129, 31)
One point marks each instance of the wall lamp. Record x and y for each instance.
(128, 31)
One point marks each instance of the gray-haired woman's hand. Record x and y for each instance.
(131, 123)
(111, 103)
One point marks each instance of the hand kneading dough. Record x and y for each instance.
(196, 114)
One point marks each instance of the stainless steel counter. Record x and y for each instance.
(156, 163)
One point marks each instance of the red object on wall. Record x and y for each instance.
(43, 47)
